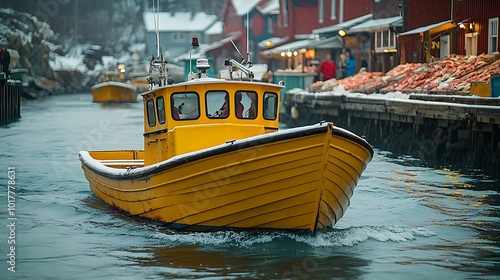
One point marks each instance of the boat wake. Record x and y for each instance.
(328, 238)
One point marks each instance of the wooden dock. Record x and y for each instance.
(10, 100)
(456, 131)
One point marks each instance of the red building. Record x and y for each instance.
(310, 29)
(478, 22)
(465, 27)
(428, 30)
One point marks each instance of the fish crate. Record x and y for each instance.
(495, 85)
(480, 88)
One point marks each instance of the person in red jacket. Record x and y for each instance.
(327, 68)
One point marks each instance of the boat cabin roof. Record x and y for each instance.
(211, 101)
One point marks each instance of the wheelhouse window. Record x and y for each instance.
(150, 106)
(217, 104)
(185, 105)
(270, 106)
(245, 104)
(160, 109)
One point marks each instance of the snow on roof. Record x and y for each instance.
(216, 29)
(377, 24)
(344, 25)
(180, 21)
(242, 7)
(273, 40)
(271, 7)
(425, 28)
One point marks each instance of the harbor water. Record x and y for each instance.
(407, 220)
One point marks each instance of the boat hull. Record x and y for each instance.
(114, 92)
(299, 179)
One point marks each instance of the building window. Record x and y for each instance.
(384, 40)
(284, 8)
(334, 9)
(178, 37)
(321, 7)
(493, 35)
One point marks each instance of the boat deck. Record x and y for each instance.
(123, 163)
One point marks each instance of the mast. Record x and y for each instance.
(158, 64)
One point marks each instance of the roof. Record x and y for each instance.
(180, 21)
(377, 24)
(216, 28)
(433, 28)
(293, 46)
(344, 25)
(201, 51)
(242, 7)
(322, 43)
(271, 7)
(334, 42)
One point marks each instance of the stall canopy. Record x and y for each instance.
(334, 42)
(344, 25)
(432, 28)
(292, 46)
(377, 24)
(275, 41)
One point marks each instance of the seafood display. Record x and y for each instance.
(447, 74)
(452, 74)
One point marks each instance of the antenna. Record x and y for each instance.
(157, 26)
(234, 45)
(159, 64)
(244, 66)
(249, 54)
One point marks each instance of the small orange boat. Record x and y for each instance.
(113, 90)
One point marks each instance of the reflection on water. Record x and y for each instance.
(406, 219)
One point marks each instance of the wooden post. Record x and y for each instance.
(10, 101)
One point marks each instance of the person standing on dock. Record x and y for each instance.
(350, 65)
(327, 68)
(5, 61)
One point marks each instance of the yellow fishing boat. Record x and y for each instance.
(112, 89)
(214, 158)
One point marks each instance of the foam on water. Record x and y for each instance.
(330, 238)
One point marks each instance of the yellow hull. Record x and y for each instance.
(298, 179)
(114, 92)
